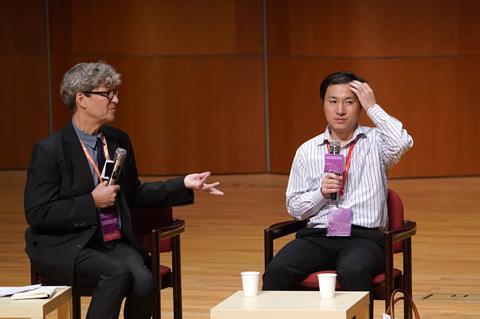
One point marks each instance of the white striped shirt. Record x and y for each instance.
(375, 151)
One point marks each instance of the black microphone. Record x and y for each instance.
(335, 148)
(118, 160)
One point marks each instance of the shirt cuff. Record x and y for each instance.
(318, 198)
(373, 111)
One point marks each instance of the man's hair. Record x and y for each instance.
(342, 77)
(85, 77)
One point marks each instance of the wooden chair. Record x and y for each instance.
(397, 239)
(158, 233)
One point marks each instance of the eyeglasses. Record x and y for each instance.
(108, 94)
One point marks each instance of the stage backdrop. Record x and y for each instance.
(195, 95)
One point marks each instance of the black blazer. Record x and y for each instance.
(59, 206)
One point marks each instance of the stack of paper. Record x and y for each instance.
(8, 291)
(41, 292)
(28, 292)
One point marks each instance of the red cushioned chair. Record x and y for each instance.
(398, 239)
(157, 232)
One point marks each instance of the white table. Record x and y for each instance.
(293, 304)
(38, 308)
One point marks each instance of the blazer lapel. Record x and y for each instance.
(112, 146)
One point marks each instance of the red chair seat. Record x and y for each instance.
(380, 278)
(312, 280)
(164, 270)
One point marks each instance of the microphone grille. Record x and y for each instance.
(120, 153)
(335, 147)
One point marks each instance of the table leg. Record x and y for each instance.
(64, 311)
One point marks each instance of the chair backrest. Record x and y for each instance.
(395, 215)
(146, 219)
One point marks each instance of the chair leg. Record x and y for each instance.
(76, 307)
(407, 277)
(156, 306)
(157, 312)
(177, 282)
(389, 281)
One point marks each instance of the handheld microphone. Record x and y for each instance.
(334, 148)
(118, 160)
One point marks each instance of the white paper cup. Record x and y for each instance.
(250, 282)
(326, 284)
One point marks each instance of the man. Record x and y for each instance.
(356, 253)
(80, 228)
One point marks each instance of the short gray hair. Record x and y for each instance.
(86, 77)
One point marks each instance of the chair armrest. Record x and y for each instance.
(176, 227)
(284, 228)
(408, 230)
(405, 234)
(276, 231)
(173, 229)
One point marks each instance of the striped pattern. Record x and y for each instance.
(376, 150)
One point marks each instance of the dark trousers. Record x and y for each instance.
(117, 271)
(356, 259)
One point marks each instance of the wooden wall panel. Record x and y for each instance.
(200, 114)
(421, 57)
(23, 80)
(373, 27)
(434, 98)
(153, 27)
(191, 114)
(192, 92)
(204, 59)
(22, 26)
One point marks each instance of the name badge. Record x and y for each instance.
(340, 222)
(110, 225)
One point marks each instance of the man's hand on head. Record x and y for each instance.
(364, 93)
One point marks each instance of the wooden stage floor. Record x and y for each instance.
(224, 236)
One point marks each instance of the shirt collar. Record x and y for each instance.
(87, 139)
(357, 134)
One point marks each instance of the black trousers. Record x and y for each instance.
(356, 259)
(117, 272)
